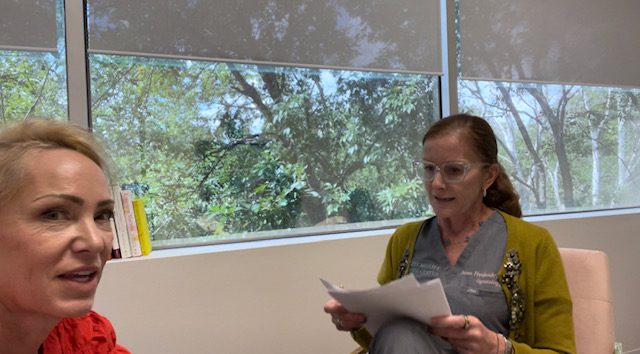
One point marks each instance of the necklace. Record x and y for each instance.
(448, 242)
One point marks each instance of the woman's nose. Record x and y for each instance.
(90, 237)
(438, 179)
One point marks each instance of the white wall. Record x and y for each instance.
(268, 299)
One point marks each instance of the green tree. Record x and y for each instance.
(226, 149)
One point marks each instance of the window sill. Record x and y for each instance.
(276, 242)
(245, 245)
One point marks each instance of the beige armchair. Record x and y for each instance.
(587, 273)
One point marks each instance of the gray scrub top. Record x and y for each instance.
(471, 285)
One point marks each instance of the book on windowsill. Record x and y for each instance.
(130, 220)
(144, 235)
(115, 246)
(120, 223)
(404, 297)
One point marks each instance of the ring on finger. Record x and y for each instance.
(467, 323)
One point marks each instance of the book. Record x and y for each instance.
(115, 246)
(130, 221)
(404, 297)
(143, 226)
(121, 223)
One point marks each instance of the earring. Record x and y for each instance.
(484, 192)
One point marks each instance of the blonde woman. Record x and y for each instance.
(55, 238)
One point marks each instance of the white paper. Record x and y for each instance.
(404, 297)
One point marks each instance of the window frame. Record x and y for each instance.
(79, 100)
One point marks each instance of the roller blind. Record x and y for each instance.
(396, 35)
(28, 25)
(592, 42)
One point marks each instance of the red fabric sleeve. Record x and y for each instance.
(89, 334)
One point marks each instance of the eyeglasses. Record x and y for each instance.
(451, 171)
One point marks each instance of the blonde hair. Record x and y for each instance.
(20, 139)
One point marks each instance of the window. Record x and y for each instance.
(268, 120)
(222, 150)
(250, 119)
(32, 68)
(568, 144)
(566, 147)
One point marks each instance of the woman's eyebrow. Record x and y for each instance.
(72, 198)
(106, 202)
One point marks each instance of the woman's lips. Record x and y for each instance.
(84, 276)
(443, 199)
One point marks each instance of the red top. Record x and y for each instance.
(89, 334)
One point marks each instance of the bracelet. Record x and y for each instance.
(508, 346)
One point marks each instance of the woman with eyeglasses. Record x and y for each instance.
(503, 277)
(55, 238)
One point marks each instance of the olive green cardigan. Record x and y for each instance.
(541, 310)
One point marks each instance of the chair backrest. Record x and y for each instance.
(587, 273)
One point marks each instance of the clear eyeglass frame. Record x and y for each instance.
(450, 171)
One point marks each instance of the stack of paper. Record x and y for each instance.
(404, 297)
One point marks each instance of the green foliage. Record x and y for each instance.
(31, 85)
(226, 149)
(403, 199)
(593, 124)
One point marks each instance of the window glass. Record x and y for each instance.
(32, 84)
(582, 42)
(33, 80)
(228, 151)
(566, 148)
(28, 25)
(382, 35)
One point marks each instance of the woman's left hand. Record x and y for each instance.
(466, 334)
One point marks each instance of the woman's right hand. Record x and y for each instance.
(342, 318)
